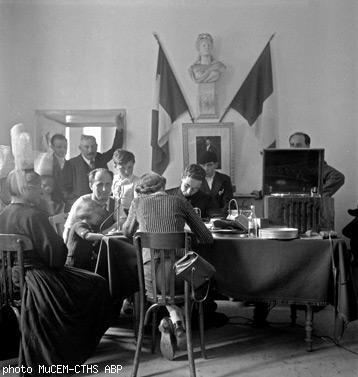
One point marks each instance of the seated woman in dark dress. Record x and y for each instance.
(154, 203)
(64, 310)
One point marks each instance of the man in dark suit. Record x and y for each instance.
(58, 144)
(209, 146)
(216, 184)
(190, 189)
(75, 173)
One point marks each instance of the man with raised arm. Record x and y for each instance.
(76, 170)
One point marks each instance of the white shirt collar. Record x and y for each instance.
(103, 204)
(61, 160)
(126, 180)
(88, 162)
(209, 180)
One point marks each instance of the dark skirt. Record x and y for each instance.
(64, 314)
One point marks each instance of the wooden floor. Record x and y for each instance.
(237, 349)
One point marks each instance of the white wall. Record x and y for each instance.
(101, 55)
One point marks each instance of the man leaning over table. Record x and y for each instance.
(190, 189)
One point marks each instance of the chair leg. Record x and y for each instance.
(154, 330)
(140, 335)
(201, 329)
(188, 330)
(18, 318)
(136, 313)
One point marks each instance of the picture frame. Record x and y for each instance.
(215, 137)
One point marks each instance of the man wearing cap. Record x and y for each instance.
(190, 189)
(217, 185)
(76, 170)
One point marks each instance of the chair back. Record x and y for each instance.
(163, 248)
(58, 222)
(12, 247)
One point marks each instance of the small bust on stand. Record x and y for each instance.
(206, 69)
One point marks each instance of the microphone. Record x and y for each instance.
(116, 209)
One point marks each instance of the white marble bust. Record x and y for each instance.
(206, 69)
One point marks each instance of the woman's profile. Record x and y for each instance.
(206, 69)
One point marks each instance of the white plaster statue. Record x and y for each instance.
(206, 69)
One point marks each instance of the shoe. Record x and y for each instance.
(127, 308)
(167, 340)
(180, 335)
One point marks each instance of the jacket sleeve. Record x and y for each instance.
(196, 224)
(117, 143)
(228, 192)
(333, 180)
(67, 184)
(46, 241)
(130, 226)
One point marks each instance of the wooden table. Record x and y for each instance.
(312, 272)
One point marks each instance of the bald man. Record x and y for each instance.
(332, 179)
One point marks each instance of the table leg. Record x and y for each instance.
(293, 314)
(309, 327)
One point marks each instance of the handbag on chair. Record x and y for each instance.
(195, 270)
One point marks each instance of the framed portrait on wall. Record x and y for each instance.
(213, 137)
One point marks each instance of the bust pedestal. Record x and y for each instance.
(207, 106)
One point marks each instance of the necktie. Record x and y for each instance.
(92, 165)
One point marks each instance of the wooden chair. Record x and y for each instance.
(58, 222)
(12, 247)
(164, 244)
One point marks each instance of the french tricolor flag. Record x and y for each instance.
(169, 104)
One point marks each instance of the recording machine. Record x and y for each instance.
(292, 189)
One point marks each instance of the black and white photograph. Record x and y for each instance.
(209, 144)
(178, 188)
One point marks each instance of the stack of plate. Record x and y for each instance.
(278, 233)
